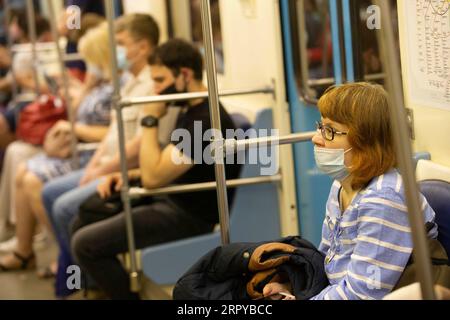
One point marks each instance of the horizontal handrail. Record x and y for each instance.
(375, 76)
(27, 47)
(231, 146)
(69, 57)
(87, 146)
(331, 81)
(46, 46)
(204, 186)
(191, 96)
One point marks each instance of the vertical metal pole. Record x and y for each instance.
(32, 36)
(65, 79)
(304, 50)
(10, 44)
(404, 152)
(134, 275)
(215, 118)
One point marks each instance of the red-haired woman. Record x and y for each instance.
(366, 237)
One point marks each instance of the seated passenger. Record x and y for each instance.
(176, 67)
(22, 66)
(366, 236)
(77, 69)
(20, 151)
(93, 117)
(137, 35)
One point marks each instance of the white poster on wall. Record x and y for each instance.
(428, 44)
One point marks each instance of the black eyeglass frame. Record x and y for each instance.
(334, 132)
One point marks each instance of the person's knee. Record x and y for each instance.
(20, 174)
(59, 212)
(49, 192)
(31, 182)
(83, 246)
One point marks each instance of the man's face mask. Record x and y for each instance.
(172, 89)
(122, 62)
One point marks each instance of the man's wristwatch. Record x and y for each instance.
(149, 122)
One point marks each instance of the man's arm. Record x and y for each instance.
(159, 167)
(132, 153)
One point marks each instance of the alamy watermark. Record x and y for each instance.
(73, 281)
(373, 17)
(73, 17)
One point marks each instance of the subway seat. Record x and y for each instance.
(434, 182)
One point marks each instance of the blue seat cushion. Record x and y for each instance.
(437, 194)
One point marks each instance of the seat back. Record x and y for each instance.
(434, 181)
(254, 213)
(240, 121)
(437, 194)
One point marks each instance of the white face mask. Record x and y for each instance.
(331, 162)
(122, 62)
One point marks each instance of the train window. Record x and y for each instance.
(368, 64)
(185, 20)
(319, 61)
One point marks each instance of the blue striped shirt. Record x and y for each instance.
(368, 246)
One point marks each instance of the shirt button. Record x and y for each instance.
(246, 255)
(327, 260)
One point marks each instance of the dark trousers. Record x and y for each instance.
(95, 247)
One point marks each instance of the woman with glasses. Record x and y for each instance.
(366, 237)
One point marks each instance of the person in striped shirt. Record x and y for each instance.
(366, 236)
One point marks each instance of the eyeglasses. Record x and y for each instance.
(328, 133)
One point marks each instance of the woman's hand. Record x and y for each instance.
(111, 183)
(278, 291)
(63, 126)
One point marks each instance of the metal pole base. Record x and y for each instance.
(135, 282)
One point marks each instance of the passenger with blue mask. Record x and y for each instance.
(139, 34)
(95, 244)
(366, 224)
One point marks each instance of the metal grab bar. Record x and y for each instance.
(46, 46)
(14, 89)
(69, 57)
(404, 153)
(33, 38)
(192, 96)
(307, 92)
(331, 81)
(134, 274)
(214, 111)
(27, 47)
(257, 142)
(204, 186)
(65, 78)
(87, 146)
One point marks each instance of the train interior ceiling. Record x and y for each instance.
(279, 57)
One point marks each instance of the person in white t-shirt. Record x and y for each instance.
(136, 35)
